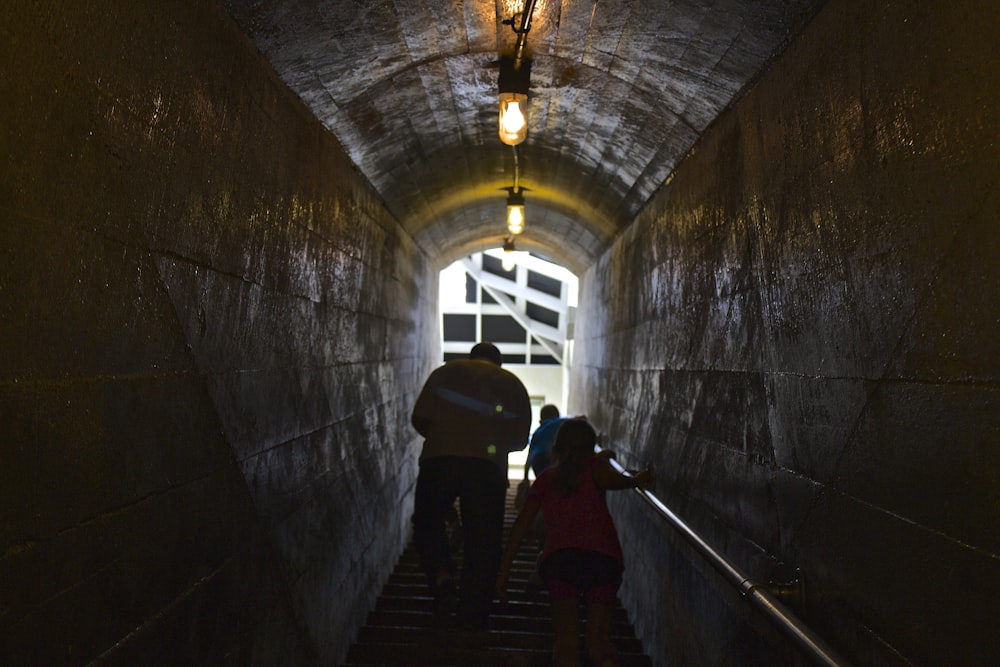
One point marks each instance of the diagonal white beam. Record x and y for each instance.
(542, 332)
(541, 298)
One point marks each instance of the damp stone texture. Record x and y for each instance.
(799, 335)
(211, 334)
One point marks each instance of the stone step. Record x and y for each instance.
(513, 619)
(403, 630)
(452, 650)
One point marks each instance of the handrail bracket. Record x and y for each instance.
(792, 593)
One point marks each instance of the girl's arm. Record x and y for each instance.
(517, 533)
(608, 478)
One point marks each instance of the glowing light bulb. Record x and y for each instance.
(513, 124)
(515, 219)
(508, 260)
(513, 119)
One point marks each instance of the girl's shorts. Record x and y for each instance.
(570, 573)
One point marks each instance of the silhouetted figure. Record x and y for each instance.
(582, 556)
(538, 459)
(540, 445)
(472, 413)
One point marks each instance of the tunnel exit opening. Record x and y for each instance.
(526, 310)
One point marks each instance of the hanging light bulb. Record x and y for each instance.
(515, 219)
(513, 84)
(513, 118)
(508, 255)
(508, 262)
(515, 212)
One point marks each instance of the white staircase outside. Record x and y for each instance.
(515, 297)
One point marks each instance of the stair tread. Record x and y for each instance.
(404, 622)
(403, 630)
(447, 654)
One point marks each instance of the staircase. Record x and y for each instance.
(404, 631)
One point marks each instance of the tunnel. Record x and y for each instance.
(222, 227)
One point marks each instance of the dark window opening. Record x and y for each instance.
(544, 360)
(470, 289)
(543, 283)
(502, 329)
(487, 298)
(543, 315)
(495, 266)
(460, 327)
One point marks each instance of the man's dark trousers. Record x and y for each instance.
(481, 487)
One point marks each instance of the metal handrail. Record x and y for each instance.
(755, 593)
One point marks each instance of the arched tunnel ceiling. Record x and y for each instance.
(620, 91)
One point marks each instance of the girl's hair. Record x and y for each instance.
(574, 444)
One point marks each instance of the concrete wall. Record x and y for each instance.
(211, 334)
(800, 335)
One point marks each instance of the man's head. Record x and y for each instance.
(548, 411)
(486, 351)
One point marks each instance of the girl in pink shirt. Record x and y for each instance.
(582, 555)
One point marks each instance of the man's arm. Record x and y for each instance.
(423, 409)
(521, 428)
(421, 424)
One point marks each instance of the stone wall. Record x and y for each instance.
(211, 333)
(800, 335)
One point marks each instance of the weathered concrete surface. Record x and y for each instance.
(211, 332)
(620, 90)
(800, 334)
